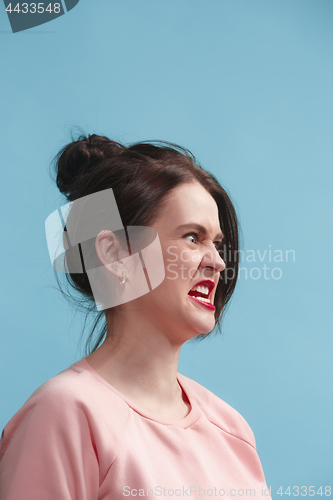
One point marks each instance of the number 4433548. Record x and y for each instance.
(33, 8)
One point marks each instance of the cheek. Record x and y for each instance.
(170, 254)
(181, 262)
(189, 258)
(171, 258)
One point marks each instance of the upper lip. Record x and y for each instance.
(209, 283)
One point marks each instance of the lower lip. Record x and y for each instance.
(208, 305)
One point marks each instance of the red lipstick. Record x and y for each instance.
(195, 294)
(205, 304)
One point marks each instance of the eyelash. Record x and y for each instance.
(217, 243)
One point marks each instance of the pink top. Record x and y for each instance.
(78, 438)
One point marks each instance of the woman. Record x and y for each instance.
(122, 422)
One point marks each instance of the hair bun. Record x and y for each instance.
(76, 159)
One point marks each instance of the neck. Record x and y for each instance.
(140, 361)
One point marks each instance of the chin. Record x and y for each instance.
(202, 327)
(189, 328)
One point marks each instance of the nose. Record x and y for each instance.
(213, 260)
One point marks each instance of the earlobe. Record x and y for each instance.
(116, 269)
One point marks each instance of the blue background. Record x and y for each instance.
(247, 86)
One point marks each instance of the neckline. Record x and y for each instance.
(187, 421)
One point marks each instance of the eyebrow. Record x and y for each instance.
(201, 229)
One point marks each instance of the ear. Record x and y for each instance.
(107, 247)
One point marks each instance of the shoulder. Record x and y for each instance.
(75, 390)
(63, 440)
(74, 406)
(219, 413)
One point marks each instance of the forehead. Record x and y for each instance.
(190, 202)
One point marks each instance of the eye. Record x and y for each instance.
(217, 244)
(193, 237)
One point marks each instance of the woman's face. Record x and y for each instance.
(190, 234)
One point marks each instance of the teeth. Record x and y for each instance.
(203, 299)
(202, 289)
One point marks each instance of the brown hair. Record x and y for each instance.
(141, 176)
